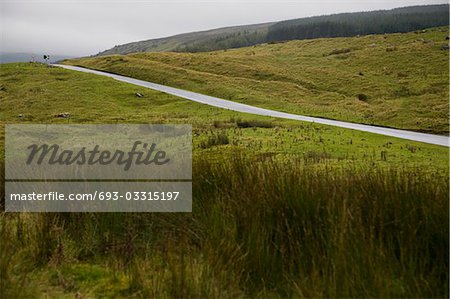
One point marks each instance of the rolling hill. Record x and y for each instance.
(338, 25)
(397, 80)
(281, 209)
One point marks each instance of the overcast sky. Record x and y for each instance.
(83, 27)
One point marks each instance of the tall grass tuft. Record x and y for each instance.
(215, 139)
(273, 229)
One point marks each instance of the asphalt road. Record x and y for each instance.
(225, 104)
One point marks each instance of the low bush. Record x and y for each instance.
(340, 51)
(362, 97)
(254, 124)
(220, 138)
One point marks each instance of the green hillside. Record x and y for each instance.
(396, 80)
(280, 208)
(221, 38)
(34, 93)
(339, 25)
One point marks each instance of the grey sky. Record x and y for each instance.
(86, 27)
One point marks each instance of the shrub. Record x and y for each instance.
(340, 51)
(403, 91)
(362, 97)
(215, 140)
(315, 157)
(391, 49)
(254, 124)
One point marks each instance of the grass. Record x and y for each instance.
(403, 77)
(257, 230)
(280, 208)
(35, 94)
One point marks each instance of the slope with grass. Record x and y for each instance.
(402, 19)
(221, 38)
(34, 93)
(302, 210)
(239, 107)
(396, 80)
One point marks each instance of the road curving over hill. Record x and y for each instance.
(225, 104)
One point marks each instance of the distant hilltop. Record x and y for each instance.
(26, 57)
(403, 19)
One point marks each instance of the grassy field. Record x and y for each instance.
(36, 94)
(302, 210)
(395, 80)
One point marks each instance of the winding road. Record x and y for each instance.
(225, 104)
